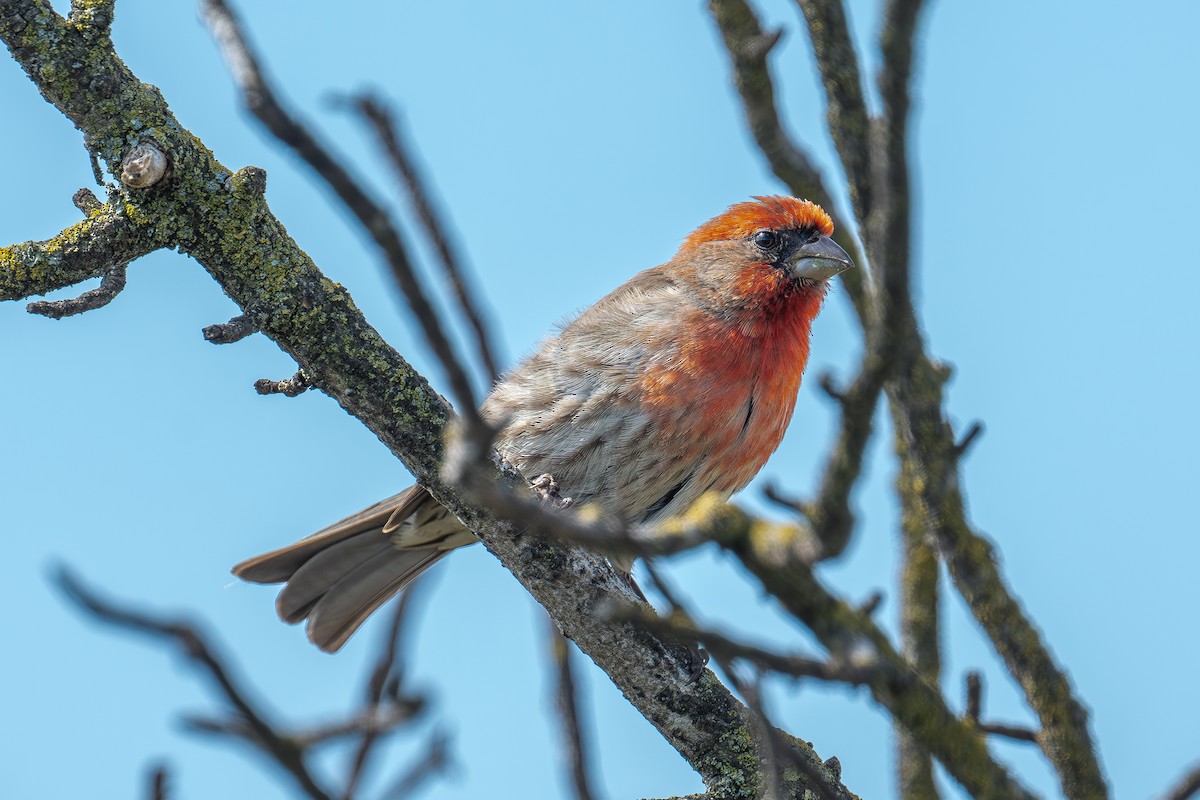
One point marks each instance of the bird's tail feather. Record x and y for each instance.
(339, 576)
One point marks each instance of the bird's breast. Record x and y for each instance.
(725, 396)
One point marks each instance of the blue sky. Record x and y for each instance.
(1055, 164)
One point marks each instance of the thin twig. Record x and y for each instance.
(111, 284)
(433, 222)
(681, 628)
(158, 783)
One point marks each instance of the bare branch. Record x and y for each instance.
(98, 246)
(777, 556)
(930, 486)
(681, 628)
(920, 631)
(261, 101)
(433, 222)
(194, 646)
(387, 666)
(889, 226)
(974, 686)
(111, 284)
(969, 438)
(830, 514)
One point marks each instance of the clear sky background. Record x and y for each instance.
(1056, 165)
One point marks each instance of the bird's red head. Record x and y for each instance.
(774, 213)
(762, 259)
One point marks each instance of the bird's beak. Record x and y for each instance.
(819, 260)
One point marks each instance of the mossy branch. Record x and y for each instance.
(87, 249)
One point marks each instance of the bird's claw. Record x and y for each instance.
(546, 489)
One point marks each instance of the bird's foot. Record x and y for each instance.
(545, 487)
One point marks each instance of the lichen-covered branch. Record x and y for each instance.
(919, 628)
(925, 434)
(222, 220)
(104, 241)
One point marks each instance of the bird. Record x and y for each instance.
(680, 382)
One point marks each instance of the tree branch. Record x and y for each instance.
(433, 222)
(1188, 786)
(261, 101)
(777, 556)
(192, 643)
(99, 246)
(932, 485)
(566, 702)
(232, 233)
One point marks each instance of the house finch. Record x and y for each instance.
(680, 382)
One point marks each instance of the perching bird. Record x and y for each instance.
(680, 382)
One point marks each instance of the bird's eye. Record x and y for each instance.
(765, 239)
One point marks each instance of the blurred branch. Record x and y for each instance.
(192, 644)
(385, 709)
(385, 677)
(433, 222)
(435, 760)
(566, 700)
(158, 783)
(261, 101)
(1188, 786)
(919, 628)
(724, 648)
